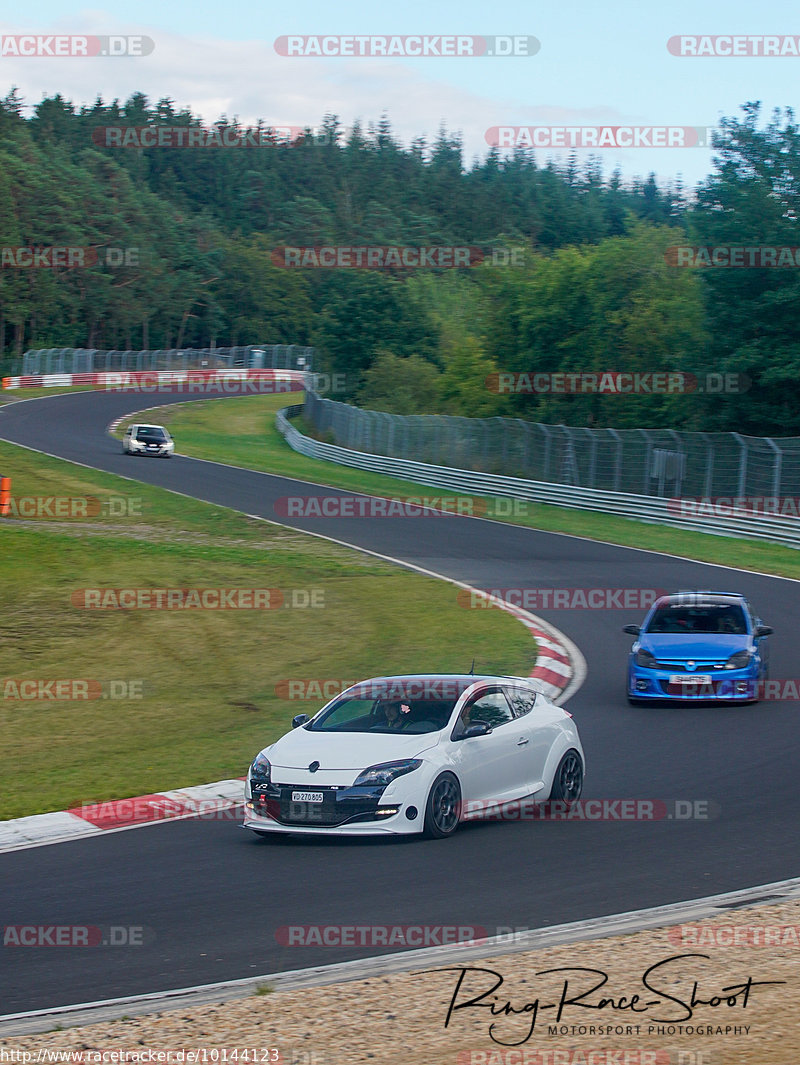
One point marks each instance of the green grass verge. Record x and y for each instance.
(242, 431)
(208, 677)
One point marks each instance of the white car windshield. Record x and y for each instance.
(152, 434)
(412, 706)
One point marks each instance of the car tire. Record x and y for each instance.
(443, 807)
(568, 778)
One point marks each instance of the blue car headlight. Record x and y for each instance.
(260, 769)
(741, 660)
(645, 659)
(386, 772)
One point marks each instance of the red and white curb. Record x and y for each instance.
(217, 801)
(556, 662)
(220, 801)
(154, 380)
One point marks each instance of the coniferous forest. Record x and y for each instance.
(577, 274)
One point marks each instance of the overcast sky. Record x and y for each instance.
(595, 65)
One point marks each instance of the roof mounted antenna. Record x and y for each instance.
(472, 668)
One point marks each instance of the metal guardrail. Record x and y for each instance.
(93, 360)
(649, 462)
(653, 509)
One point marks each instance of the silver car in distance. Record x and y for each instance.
(148, 440)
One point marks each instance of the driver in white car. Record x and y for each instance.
(396, 714)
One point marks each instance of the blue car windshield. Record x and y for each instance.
(698, 620)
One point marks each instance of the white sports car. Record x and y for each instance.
(399, 755)
(148, 440)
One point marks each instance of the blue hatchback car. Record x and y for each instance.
(698, 646)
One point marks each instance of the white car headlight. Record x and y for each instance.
(386, 772)
(261, 769)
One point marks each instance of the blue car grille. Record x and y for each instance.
(701, 665)
(719, 688)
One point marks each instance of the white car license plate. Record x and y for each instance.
(307, 796)
(690, 678)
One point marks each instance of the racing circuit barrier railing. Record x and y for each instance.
(719, 517)
(94, 360)
(649, 462)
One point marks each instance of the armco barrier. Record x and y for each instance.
(653, 509)
(94, 360)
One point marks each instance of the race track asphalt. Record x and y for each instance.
(211, 898)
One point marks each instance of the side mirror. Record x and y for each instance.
(764, 630)
(634, 630)
(299, 720)
(478, 728)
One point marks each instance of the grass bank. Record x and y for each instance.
(185, 696)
